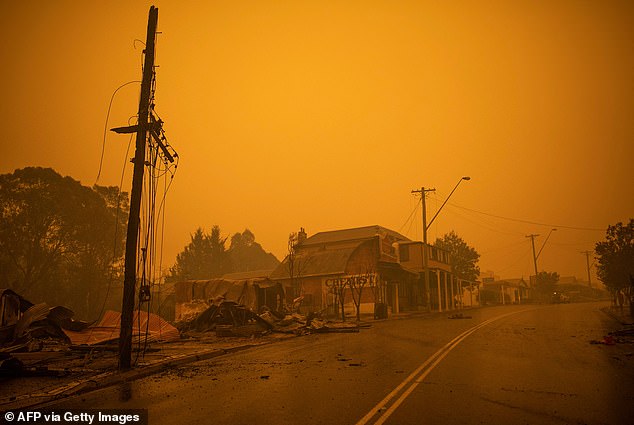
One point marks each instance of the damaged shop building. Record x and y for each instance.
(364, 255)
(388, 265)
(254, 290)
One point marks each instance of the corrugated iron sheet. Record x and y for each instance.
(108, 328)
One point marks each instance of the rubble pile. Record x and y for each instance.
(299, 324)
(228, 318)
(28, 327)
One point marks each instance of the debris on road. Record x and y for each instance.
(228, 318)
(607, 340)
(624, 332)
(459, 316)
(622, 336)
(300, 325)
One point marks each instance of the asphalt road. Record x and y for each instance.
(504, 365)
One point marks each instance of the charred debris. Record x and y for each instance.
(228, 318)
(36, 339)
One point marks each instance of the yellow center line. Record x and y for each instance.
(421, 373)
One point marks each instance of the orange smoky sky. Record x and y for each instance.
(326, 114)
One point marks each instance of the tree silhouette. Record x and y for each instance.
(615, 256)
(59, 240)
(205, 257)
(464, 259)
(248, 255)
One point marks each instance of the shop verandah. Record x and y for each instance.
(444, 291)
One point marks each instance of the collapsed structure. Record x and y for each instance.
(25, 326)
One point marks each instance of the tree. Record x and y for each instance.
(616, 256)
(545, 283)
(364, 269)
(337, 287)
(464, 259)
(295, 264)
(248, 255)
(59, 240)
(357, 284)
(205, 257)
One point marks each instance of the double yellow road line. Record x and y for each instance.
(384, 409)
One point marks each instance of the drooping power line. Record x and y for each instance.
(561, 226)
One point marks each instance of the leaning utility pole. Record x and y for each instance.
(588, 266)
(129, 282)
(423, 193)
(533, 236)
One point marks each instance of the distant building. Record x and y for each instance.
(578, 290)
(389, 263)
(505, 291)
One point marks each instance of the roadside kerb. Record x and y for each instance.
(109, 378)
(622, 318)
(106, 379)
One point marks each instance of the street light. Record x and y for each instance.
(544, 244)
(535, 257)
(426, 226)
(443, 204)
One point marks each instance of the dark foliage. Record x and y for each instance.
(546, 282)
(248, 255)
(464, 259)
(60, 242)
(206, 256)
(615, 256)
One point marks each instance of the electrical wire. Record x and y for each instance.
(160, 268)
(503, 248)
(489, 226)
(105, 127)
(161, 161)
(561, 226)
(526, 253)
(159, 166)
(409, 217)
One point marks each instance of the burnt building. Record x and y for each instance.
(379, 266)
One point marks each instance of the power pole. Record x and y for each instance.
(533, 236)
(588, 266)
(423, 193)
(129, 282)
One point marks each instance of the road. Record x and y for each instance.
(504, 365)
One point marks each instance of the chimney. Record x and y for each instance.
(301, 236)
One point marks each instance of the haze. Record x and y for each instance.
(325, 115)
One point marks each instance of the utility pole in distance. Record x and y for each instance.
(423, 193)
(588, 266)
(129, 281)
(533, 236)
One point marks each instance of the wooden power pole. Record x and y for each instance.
(533, 236)
(423, 193)
(587, 253)
(129, 282)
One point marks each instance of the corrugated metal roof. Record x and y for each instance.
(358, 233)
(330, 261)
(252, 275)
(109, 327)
